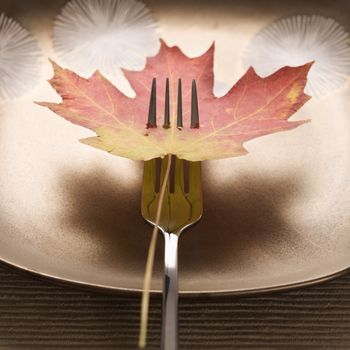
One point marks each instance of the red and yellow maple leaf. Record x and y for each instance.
(253, 107)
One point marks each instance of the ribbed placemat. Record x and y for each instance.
(36, 314)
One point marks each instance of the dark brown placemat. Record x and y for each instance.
(36, 314)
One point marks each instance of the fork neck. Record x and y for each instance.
(170, 293)
(171, 246)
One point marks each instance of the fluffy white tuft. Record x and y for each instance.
(300, 39)
(106, 35)
(19, 59)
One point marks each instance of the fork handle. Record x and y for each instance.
(170, 294)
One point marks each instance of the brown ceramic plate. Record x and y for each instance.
(276, 218)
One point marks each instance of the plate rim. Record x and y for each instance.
(81, 285)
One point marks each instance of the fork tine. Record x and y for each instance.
(163, 171)
(152, 112)
(194, 173)
(166, 124)
(194, 179)
(149, 178)
(179, 105)
(194, 107)
(165, 207)
(186, 169)
(179, 184)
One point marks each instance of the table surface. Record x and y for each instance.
(36, 314)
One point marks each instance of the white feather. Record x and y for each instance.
(300, 39)
(19, 59)
(106, 35)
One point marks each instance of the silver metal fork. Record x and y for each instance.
(182, 207)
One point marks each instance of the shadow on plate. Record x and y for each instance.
(241, 220)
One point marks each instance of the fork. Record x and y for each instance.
(182, 206)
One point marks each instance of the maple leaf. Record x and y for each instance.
(253, 107)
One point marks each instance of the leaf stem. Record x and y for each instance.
(150, 260)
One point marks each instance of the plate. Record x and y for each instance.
(276, 218)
